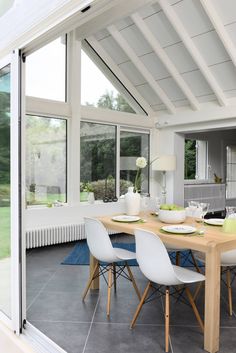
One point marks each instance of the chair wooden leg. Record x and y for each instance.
(114, 275)
(228, 281)
(133, 281)
(195, 262)
(90, 281)
(190, 298)
(139, 307)
(177, 258)
(109, 290)
(167, 319)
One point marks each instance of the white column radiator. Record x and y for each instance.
(55, 235)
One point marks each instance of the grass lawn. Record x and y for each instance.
(4, 232)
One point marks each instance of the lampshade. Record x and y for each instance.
(165, 163)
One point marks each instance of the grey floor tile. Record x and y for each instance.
(118, 338)
(70, 337)
(62, 306)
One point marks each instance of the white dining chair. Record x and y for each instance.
(228, 263)
(155, 264)
(101, 248)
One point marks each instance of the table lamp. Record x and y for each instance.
(165, 163)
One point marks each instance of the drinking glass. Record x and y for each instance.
(193, 207)
(145, 204)
(203, 209)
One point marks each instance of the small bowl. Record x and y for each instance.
(172, 216)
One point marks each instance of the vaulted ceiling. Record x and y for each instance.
(171, 54)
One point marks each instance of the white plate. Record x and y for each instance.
(179, 229)
(124, 218)
(214, 221)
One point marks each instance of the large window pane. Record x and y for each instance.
(46, 71)
(98, 159)
(97, 90)
(132, 146)
(5, 229)
(46, 160)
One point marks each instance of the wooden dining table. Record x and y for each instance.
(212, 243)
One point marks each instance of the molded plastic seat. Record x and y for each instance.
(101, 248)
(154, 262)
(228, 260)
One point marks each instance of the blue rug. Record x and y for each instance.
(80, 254)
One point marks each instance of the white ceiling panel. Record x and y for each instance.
(207, 98)
(155, 66)
(181, 57)
(226, 10)
(125, 22)
(102, 34)
(149, 10)
(136, 40)
(171, 89)
(193, 17)
(231, 93)
(197, 83)
(132, 73)
(158, 107)
(162, 29)
(211, 48)
(181, 103)
(231, 29)
(225, 74)
(148, 94)
(114, 50)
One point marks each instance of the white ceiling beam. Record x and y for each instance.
(193, 50)
(119, 74)
(116, 10)
(160, 52)
(220, 29)
(141, 67)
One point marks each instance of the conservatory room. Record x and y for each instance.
(128, 180)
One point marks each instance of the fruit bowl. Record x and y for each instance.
(173, 215)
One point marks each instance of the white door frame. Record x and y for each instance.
(15, 321)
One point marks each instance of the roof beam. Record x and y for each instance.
(193, 51)
(141, 67)
(160, 52)
(220, 29)
(119, 74)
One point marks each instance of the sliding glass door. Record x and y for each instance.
(9, 192)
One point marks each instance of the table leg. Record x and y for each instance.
(212, 301)
(93, 262)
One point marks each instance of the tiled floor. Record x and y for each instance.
(54, 306)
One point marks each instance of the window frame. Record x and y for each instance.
(66, 155)
(120, 128)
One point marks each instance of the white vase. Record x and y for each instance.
(91, 198)
(132, 202)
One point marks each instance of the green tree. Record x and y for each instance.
(110, 101)
(190, 159)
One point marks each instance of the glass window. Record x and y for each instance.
(46, 160)
(97, 160)
(97, 90)
(5, 206)
(190, 159)
(132, 146)
(230, 172)
(46, 71)
(196, 159)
